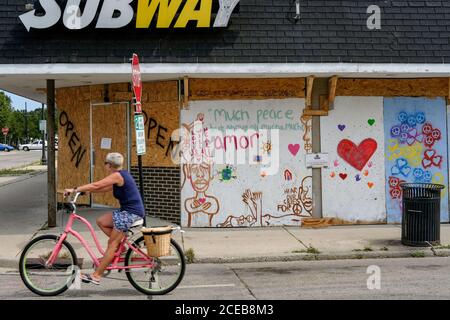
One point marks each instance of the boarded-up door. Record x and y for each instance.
(416, 149)
(109, 134)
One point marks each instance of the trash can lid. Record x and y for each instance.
(428, 186)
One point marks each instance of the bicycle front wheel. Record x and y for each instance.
(164, 277)
(47, 280)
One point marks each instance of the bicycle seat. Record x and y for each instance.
(137, 223)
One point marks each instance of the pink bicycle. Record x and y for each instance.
(49, 264)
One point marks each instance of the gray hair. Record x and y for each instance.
(115, 159)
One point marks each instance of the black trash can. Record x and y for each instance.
(421, 214)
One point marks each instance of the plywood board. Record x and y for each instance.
(353, 186)
(432, 87)
(115, 128)
(267, 185)
(73, 133)
(161, 120)
(416, 149)
(241, 89)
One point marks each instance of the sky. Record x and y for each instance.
(18, 102)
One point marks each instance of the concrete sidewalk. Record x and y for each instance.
(248, 245)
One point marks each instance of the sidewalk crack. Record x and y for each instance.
(245, 284)
(301, 242)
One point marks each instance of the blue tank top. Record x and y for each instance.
(128, 195)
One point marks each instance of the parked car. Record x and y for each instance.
(36, 145)
(5, 147)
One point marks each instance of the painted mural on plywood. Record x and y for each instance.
(244, 164)
(353, 184)
(416, 148)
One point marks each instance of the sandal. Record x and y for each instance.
(86, 278)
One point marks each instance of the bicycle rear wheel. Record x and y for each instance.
(164, 277)
(47, 280)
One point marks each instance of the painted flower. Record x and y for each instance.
(401, 168)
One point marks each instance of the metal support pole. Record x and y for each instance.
(51, 169)
(141, 186)
(26, 123)
(43, 158)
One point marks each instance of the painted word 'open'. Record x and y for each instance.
(116, 14)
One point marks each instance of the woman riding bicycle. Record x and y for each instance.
(116, 224)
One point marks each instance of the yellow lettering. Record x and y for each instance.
(202, 16)
(146, 11)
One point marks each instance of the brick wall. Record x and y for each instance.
(161, 192)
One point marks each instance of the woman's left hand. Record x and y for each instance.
(68, 191)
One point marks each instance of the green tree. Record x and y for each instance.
(5, 109)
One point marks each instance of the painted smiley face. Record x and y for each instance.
(418, 173)
(394, 182)
(405, 127)
(395, 131)
(396, 194)
(412, 121)
(420, 117)
(436, 134)
(403, 137)
(402, 117)
(427, 128)
(429, 141)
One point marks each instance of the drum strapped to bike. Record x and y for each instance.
(157, 240)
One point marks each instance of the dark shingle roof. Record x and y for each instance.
(329, 31)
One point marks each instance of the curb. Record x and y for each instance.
(418, 253)
(23, 177)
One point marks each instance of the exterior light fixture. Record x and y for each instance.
(29, 6)
(297, 10)
(297, 16)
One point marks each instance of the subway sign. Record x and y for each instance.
(115, 14)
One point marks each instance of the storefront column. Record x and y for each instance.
(51, 169)
(320, 88)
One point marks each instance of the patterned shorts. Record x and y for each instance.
(123, 220)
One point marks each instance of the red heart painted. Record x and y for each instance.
(357, 156)
(202, 200)
(294, 148)
(343, 176)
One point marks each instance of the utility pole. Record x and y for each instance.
(26, 123)
(51, 168)
(43, 159)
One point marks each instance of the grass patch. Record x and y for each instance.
(310, 250)
(357, 250)
(13, 172)
(447, 246)
(190, 255)
(384, 249)
(367, 249)
(359, 256)
(418, 254)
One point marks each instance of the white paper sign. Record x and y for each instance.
(106, 143)
(42, 125)
(317, 160)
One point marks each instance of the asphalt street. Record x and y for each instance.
(15, 159)
(411, 278)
